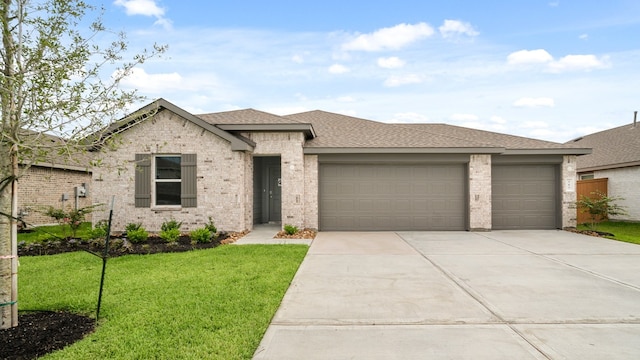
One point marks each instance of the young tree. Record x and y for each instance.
(54, 99)
(600, 207)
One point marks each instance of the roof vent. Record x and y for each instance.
(635, 116)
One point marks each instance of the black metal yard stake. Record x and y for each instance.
(105, 256)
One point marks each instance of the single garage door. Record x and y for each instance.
(524, 196)
(378, 197)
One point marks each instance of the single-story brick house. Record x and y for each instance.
(60, 181)
(616, 156)
(330, 172)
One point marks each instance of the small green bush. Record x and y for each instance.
(170, 225)
(290, 229)
(211, 227)
(201, 235)
(100, 230)
(170, 235)
(138, 235)
(132, 227)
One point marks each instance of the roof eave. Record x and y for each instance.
(399, 150)
(609, 166)
(554, 151)
(307, 129)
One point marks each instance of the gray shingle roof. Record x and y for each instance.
(617, 147)
(245, 116)
(336, 131)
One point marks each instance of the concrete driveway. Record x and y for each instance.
(460, 295)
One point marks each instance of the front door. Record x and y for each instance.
(275, 194)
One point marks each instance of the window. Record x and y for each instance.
(586, 176)
(168, 178)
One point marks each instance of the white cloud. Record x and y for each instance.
(152, 83)
(464, 117)
(145, 8)
(390, 38)
(392, 62)
(579, 63)
(298, 59)
(399, 80)
(409, 117)
(140, 7)
(529, 57)
(534, 125)
(338, 69)
(534, 102)
(453, 28)
(567, 63)
(584, 37)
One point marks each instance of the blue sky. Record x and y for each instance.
(548, 69)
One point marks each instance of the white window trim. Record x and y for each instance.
(154, 206)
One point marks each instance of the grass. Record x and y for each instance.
(207, 304)
(54, 232)
(622, 230)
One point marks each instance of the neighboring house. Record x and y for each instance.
(330, 172)
(616, 156)
(56, 185)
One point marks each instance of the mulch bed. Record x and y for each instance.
(121, 246)
(42, 332)
(302, 234)
(593, 233)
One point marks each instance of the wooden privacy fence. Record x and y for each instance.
(585, 188)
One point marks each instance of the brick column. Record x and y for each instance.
(568, 173)
(480, 193)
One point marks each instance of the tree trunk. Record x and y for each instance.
(8, 256)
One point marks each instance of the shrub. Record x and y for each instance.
(72, 218)
(211, 227)
(170, 225)
(290, 229)
(132, 227)
(170, 235)
(201, 235)
(599, 206)
(138, 235)
(100, 229)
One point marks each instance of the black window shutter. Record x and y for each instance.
(189, 192)
(143, 181)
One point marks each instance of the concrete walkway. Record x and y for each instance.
(264, 234)
(460, 295)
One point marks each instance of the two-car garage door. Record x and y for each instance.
(361, 196)
(392, 196)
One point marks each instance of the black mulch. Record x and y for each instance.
(42, 332)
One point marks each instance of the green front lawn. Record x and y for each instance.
(622, 230)
(207, 304)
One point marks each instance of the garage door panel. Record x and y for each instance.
(524, 196)
(392, 197)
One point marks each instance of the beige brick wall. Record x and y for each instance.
(41, 187)
(480, 192)
(568, 174)
(221, 176)
(311, 191)
(623, 183)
